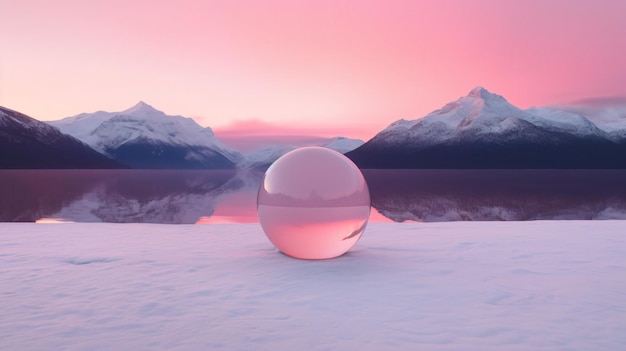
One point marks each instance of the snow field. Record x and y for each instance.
(546, 285)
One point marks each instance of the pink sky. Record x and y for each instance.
(351, 67)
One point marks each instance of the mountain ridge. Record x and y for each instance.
(479, 130)
(483, 130)
(27, 143)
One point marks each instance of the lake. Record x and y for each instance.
(187, 197)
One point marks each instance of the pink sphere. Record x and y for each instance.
(313, 203)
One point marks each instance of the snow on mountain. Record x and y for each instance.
(10, 119)
(110, 132)
(105, 130)
(565, 122)
(482, 114)
(483, 130)
(28, 143)
(611, 118)
(342, 144)
(141, 129)
(267, 155)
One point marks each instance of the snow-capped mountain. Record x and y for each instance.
(342, 144)
(143, 137)
(485, 115)
(28, 143)
(612, 120)
(610, 117)
(266, 156)
(483, 130)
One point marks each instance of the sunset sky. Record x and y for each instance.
(330, 67)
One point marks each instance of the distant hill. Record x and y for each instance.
(26, 143)
(482, 130)
(264, 157)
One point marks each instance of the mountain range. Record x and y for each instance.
(483, 130)
(480, 130)
(144, 137)
(264, 157)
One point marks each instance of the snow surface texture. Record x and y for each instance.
(549, 285)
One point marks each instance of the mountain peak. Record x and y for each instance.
(140, 106)
(479, 92)
(487, 97)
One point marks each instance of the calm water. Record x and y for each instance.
(175, 196)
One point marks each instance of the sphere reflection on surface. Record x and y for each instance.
(313, 203)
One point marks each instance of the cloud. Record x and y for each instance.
(250, 127)
(257, 127)
(606, 112)
(599, 107)
(599, 102)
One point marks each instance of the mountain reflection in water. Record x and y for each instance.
(119, 196)
(498, 195)
(193, 196)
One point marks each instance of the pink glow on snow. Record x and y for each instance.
(534, 285)
(237, 217)
(46, 220)
(377, 217)
(217, 219)
(313, 64)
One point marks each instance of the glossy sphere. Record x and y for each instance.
(313, 203)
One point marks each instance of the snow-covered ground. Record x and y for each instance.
(545, 285)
